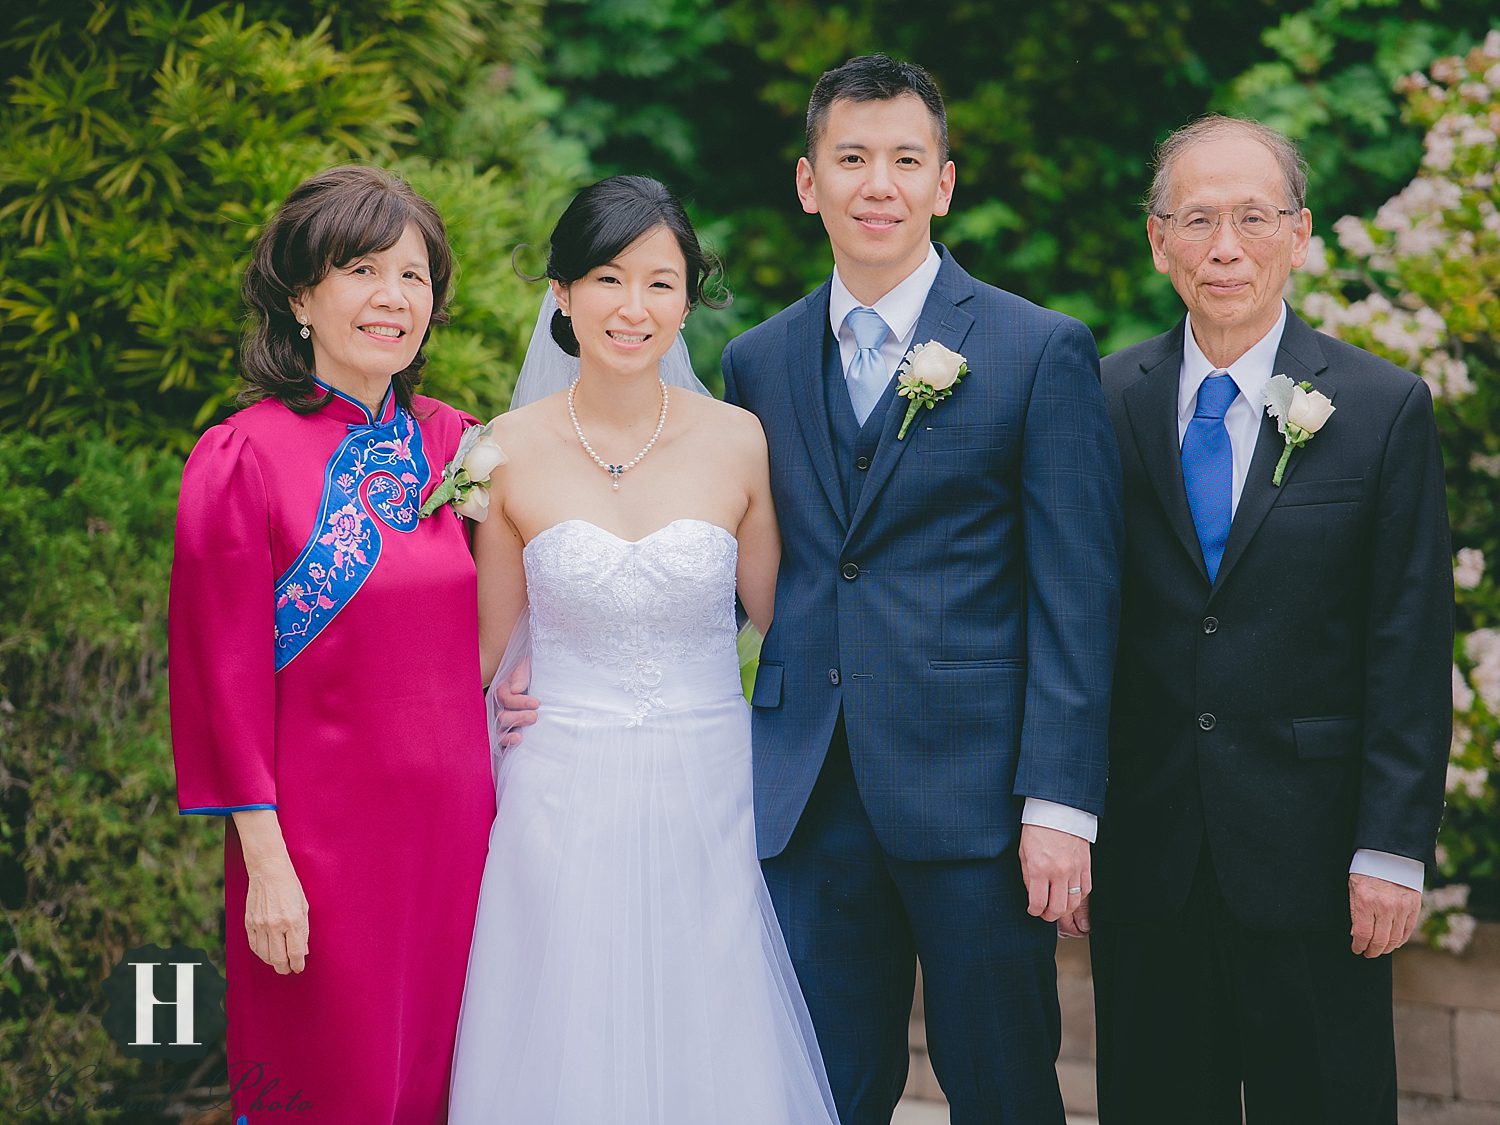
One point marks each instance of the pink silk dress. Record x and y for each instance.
(325, 663)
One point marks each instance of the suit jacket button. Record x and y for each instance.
(833, 676)
(861, 463)
(1210, 625)
(850, 571)
(1207, 721)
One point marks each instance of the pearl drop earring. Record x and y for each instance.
(306, 331)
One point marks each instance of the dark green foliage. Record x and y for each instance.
(1052, 155)
(1330, 81)
(142, 145)
(93, 858)
(1054, 109)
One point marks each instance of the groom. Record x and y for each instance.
(932, 700)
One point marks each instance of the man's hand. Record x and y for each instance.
(1382, 915)
(1055, 867)
(517, 709)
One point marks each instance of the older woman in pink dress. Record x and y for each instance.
(325, 668)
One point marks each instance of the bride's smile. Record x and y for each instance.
(626, 312)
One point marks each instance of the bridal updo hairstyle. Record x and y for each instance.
(327, 222)
(607, 218)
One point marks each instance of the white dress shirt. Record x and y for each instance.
(900, 309)
(1250, 373)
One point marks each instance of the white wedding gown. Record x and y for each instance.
(627, 968)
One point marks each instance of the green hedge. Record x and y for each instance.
(95, 859)
(143, 145)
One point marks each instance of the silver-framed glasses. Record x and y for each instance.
(1250, 220)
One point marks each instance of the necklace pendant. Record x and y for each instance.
(616, 471)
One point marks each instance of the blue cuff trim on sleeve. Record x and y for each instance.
(216, 810)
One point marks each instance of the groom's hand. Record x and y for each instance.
(1055, 867)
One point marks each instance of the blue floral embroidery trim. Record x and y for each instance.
(375, 476)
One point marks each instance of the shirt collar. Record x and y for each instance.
(1251, 372)
(899, 308)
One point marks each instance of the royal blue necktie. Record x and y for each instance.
(1208, 467)
(867, 374)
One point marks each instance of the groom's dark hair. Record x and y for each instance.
(874, 78)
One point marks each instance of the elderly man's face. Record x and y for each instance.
(1231, 284)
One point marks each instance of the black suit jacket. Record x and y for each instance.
(1299, 709)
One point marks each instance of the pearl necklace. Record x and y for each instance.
(617, 471)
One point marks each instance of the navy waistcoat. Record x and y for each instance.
(853, 444)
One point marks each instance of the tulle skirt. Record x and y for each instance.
(627, 968)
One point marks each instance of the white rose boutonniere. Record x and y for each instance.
(926, 376)
(1299, 411)
(466, 478)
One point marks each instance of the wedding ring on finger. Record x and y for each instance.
(1075, 890)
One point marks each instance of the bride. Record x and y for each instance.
(626, 965)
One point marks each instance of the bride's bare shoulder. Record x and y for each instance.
(730, 429)
(525, 425)
(735, 423)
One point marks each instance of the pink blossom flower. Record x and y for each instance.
(1468, 570)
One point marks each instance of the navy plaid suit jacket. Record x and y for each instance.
(964, 614)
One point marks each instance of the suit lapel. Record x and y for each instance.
(1299, 358)
(1151, 403)
(946, 322)
(804, 351)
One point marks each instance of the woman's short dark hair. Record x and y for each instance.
(874, 78)
(603, 221)
(328, 221)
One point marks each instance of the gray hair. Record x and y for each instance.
(1213, 126)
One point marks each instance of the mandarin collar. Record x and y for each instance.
(348, 409)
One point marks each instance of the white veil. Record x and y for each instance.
(546, 370)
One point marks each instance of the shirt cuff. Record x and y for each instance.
(1392, 868)
(1064, 818)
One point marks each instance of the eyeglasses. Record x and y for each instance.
(1250, 220)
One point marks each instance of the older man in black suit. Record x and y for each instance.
(1281, 709)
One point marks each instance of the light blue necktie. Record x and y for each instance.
(867, 374)
(1208, 467)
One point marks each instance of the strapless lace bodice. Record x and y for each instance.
(630, 627)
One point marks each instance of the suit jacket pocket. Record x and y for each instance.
(767, 690)
(987, 662)
(1326, 738)
(936, 437)
(1342, 491)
